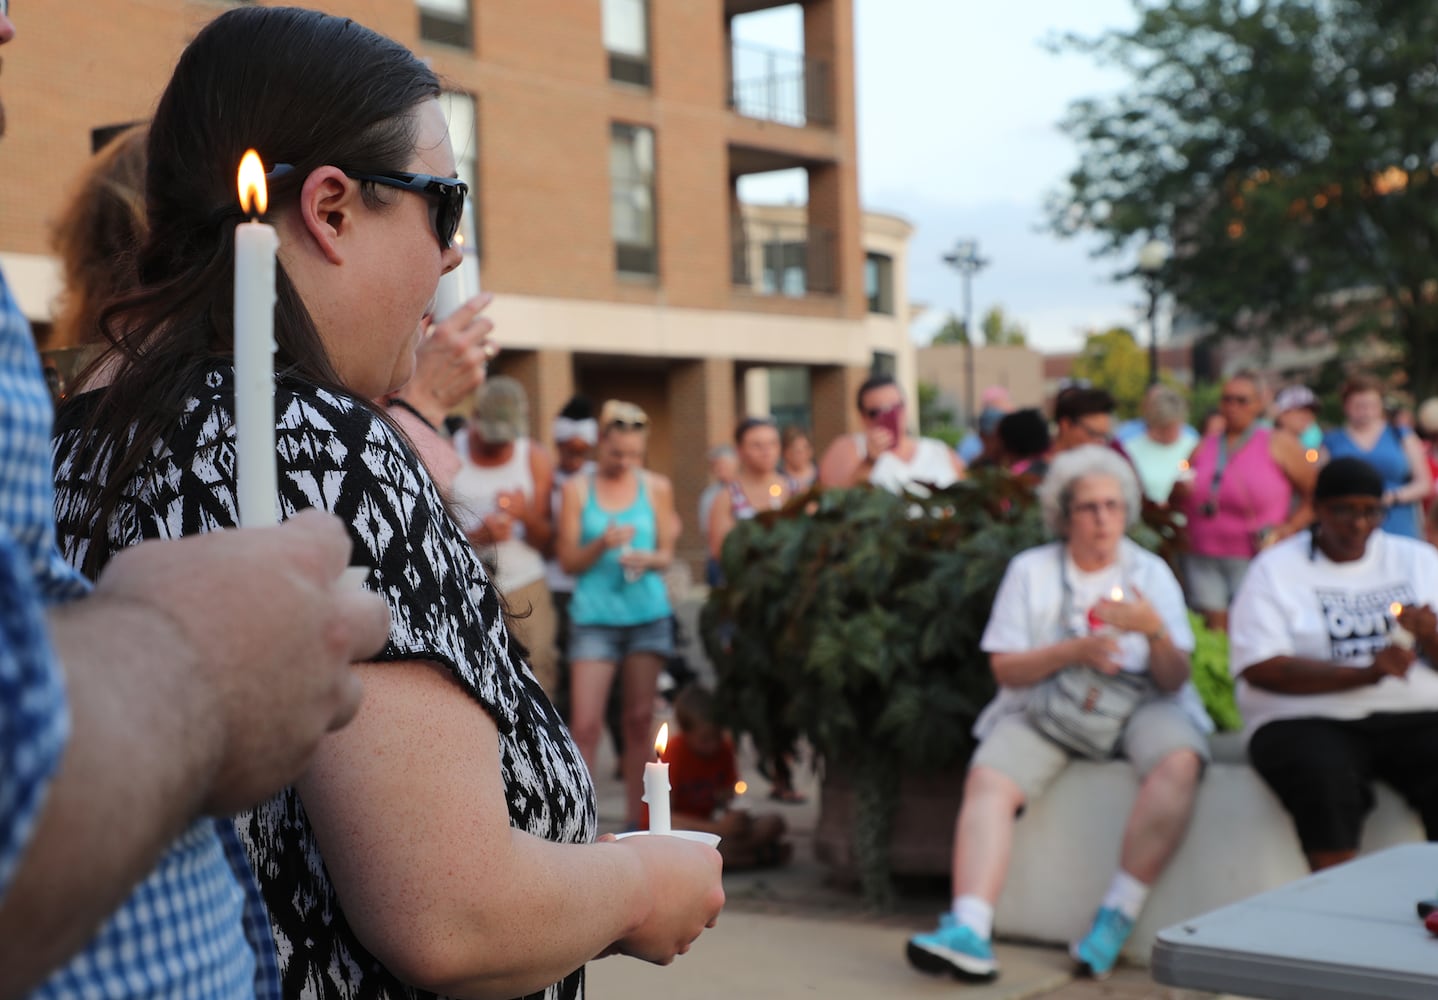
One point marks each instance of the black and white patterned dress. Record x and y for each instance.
(336, 454)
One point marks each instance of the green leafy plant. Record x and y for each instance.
(1211, 676)
(852, 618)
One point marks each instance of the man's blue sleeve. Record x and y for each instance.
(34, 716)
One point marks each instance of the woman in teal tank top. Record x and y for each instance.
(617, 529)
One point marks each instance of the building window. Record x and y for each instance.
(879, 283)
(449, 22)
(785, 267)
(460, 113)
(631, 177)
(884, 363)
(626, 39)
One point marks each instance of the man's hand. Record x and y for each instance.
(271, 634)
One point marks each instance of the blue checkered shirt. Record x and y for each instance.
(195, 927)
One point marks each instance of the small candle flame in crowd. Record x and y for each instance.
(1395, 609)
(1116, 594)
(1183, 465)
(1312, 455)
(740, 787)
(254, 194)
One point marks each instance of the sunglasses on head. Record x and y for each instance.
(447, 193)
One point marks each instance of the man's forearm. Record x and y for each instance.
(144, 744)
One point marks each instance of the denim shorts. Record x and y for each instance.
(612, 643)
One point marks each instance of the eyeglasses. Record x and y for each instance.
(1235, 399)
(1098, 435)
(1092, 508)
(1355, 511)
(626, 425)
(447, 193)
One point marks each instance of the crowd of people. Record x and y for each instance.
(199, 801)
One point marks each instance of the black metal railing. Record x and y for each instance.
(780, 86)
(784, 259)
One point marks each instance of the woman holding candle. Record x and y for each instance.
(1396, 452)
(444, 842)
(1038, 628)
(1333, 640)
(758, 486)
(617, 529)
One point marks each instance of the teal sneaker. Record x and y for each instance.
(1098, 951)
(955, 950)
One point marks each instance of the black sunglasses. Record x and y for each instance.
(447, 193)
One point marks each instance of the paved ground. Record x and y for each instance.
(789, 933)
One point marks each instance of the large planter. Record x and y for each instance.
(922, 830)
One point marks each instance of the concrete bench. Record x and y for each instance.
(1241, 843)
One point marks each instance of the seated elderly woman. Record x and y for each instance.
(1333, 640)
(1094, 615)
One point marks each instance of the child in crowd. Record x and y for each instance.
(703, 774)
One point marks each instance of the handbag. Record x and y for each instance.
(1082, 709)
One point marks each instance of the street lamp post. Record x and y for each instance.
(965, 259)
(1152, 257)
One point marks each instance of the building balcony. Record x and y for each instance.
(785, 259)
(787, 88)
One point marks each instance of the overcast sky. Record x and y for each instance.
(959, 105)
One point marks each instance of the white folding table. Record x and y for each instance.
(1346, 932)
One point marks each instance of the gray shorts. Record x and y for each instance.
(1032, 761)
(1213, 581)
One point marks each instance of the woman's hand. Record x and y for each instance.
(617, 535)
(1422, 621)
(1135, 615)
(686, 894)
(1097, 651)
(1391, 661)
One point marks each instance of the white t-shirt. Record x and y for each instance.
(1028, 613)
(476, 491)
(1294, 601)
(1157, 464)
(932, 463)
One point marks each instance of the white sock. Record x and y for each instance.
(1126, 894)
(976, 914)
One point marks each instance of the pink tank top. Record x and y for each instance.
(1253, 493)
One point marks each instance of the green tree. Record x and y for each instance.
(1000, 331)
(1285, 148)
(952, 332)
(1114, 360)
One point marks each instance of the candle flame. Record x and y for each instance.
(1116, 594)
(740, 787)
(1395, 609)
(252, 184)
(1183, 465)
(1311, 454)
(775, 490)
(662, 740)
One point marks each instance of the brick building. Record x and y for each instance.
(604, 142)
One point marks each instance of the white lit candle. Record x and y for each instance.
(1398, 635)
(255, 246)
(656, 785)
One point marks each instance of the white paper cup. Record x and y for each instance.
(712, 839)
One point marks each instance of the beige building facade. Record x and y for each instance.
(604, 143)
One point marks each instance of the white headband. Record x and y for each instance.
(566, 429)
